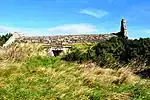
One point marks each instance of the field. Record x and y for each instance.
(27, 74)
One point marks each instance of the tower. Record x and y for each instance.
(123, 29)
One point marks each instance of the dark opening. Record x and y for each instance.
(57, 52)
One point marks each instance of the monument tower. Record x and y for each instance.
(123, 29)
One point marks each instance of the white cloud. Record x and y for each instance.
(26, 31)
(58, 30)
(8, 29)
(73, 29)
(98, 13)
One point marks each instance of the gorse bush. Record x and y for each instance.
(105, 59)
(103, 53)
(109, 52)
(80, 54)
(116, 50)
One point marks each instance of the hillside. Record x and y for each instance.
(51, 79)
(74, 50)
(27, 73)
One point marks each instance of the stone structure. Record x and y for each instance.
(12, 39)
(65, 39)
(123, 29)
(55, 51)
(68, 39)
(62, 40)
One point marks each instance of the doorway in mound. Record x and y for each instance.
(57, 52)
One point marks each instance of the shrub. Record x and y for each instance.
(80, 55)
(116, 50)
(105, 59)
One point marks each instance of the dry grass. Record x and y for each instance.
(120, 96)
(21, 51)
(120, 76)
(65, 81)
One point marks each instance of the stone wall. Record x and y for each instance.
(65, 39)
(69, 39)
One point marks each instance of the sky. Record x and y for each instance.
(62, 17)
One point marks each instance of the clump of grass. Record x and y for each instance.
(19, 52)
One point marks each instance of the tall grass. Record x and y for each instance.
(19, 52)
(46, 78)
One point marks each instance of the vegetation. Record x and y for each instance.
(115, 51)
(52, 79)
(27, 73)
(20, 51)
(4, 38)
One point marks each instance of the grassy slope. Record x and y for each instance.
(43, 78)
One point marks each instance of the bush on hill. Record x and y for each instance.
(116, 50)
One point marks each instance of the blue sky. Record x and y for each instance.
(55, 17)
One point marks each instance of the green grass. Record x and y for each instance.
(45, 78)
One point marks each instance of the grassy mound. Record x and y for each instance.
(45, 78)
(27, 74)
